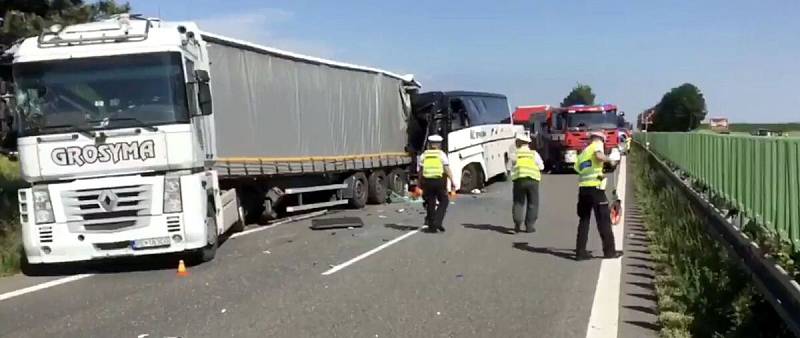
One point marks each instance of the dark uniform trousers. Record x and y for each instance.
(433, 190)
(526, 203)
(591, 198)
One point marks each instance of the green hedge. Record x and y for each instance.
(759, 176)
(701, 290)
(10, 235)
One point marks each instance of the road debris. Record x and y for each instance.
(223, 311)
(401, 210)
(476, 191)
(144, 335)
(381, 216)
(266, 252)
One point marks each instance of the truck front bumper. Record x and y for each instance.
(55, 243)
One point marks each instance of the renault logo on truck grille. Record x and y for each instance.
(108, 200)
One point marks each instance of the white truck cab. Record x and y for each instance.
(115, 139)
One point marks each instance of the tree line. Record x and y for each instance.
(682, 108)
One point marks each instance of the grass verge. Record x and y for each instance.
(701, 291)
(10, 232)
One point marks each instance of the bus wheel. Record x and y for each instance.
(378, 186)
(507, 174)
(470, 179)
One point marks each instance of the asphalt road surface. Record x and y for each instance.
(386, 279)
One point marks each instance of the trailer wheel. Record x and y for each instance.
(378, 187)
(360, 188)
(397, 180)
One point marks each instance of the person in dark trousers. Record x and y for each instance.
(526, 175)
(592, 197)
(435, 173)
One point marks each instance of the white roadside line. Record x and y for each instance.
(50, 284)
(604, 319)
(75, 278)
(371, 252)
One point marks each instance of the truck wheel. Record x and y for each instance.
(378, 187)
(397, 180)
(360, 188)
(471, 179)
(208, 252)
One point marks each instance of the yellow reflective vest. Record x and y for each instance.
(432, 165)
(526, 165)
(589, 168)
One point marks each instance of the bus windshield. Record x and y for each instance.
(100, 93)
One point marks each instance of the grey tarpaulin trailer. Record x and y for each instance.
(299, 125)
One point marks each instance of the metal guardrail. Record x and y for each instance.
(759, 176)
(773, 282)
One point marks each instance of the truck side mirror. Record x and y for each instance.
(202, 76)
(203, 92)
(204, 98)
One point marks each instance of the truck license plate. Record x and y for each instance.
(151, 243)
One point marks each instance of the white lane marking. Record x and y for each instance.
(336, 268)
(50, 284)
(604, 319)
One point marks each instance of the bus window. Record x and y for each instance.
(458, 115)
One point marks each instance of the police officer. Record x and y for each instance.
(591, 196)
(526, 175)
(435, 173)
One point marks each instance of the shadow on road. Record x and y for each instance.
(560, 253)
(109, 266)
(489, 227)
(402, 227)
(644, 325)
(644, 309)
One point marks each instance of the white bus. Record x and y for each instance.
(477, 129)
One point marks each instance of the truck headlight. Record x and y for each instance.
(42, 207)
(172, 195)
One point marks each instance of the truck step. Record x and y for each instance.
(315, 206)
(291, 191)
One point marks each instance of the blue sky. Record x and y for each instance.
(744, 55)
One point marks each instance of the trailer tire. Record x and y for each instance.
(378, 187)
(397, 180)
(360, 187)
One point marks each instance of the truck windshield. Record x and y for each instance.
(596, 120)
(100, 93)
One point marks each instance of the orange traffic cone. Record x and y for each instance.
(182, 269)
